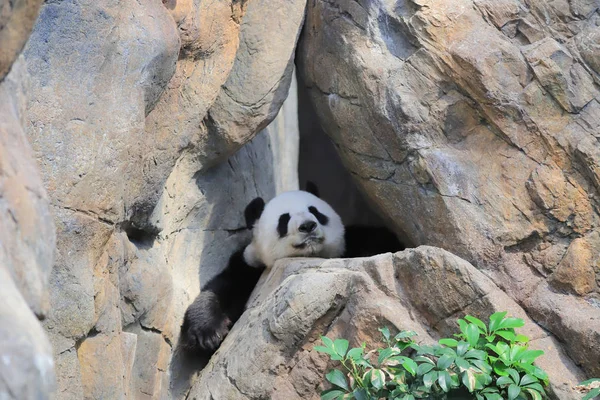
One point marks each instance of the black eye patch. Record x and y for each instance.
(322, 218)
(282, 227)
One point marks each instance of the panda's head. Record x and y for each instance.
(293, 224)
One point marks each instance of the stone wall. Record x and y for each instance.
(473, 126)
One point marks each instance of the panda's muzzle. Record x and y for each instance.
(309, 241)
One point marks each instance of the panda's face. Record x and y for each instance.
(296, 224)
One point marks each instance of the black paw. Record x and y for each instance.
(204, 325)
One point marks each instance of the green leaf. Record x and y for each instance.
(516, 352)
(508, 335)
(448, 342)
(429, 378)
(493, 396)
(514, 375)
(539, 373)
(496, 319)
(341, 347)
(328, 342)
(527, 379)
(476, 354)
(383, 354)
(462, 324)
(405, 335)
(361, 394)
(462, 363)
(521, 339)
(424, 368)
(468, 379)
(513, 391)
(377, 379)
(423, 349)
(477, 322)
(445, 361)
(483, 380)
(385, 332)
(482, 366)
(424, 360)
(410, 365)
(337, 378)
(462, 348)
(445, 381)
(535, 395)
(331, 394)
(529, 356)
(507, 323)
(584, 383)
(535, 386)
(591, 394)
(322, 349)
(472, 334)
(355, 353)
(503, 380)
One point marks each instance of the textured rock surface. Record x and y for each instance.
(473, 124)
(16, 20)
(128, 114)
(268, 354)
(27, 235)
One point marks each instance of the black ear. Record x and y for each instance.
(311, 187)
(253, 211)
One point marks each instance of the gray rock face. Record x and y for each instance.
(269, 353)
(128, 115)
(473, 125)
(27, 240)
(16, 20)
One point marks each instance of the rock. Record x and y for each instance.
(16, 20)
(473, 126)
(27, 235)
(269, 352)
(119, 108)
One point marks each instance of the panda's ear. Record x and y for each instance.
(311, 187)
(253, 211)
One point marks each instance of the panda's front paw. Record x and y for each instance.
(204, 325)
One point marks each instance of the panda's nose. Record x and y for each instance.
(307, 226)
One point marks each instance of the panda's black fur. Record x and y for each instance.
(223, 299)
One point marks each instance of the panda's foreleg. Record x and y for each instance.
(219, 305)
(205, 323)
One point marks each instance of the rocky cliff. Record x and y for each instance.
(473, 125)
(132, 135)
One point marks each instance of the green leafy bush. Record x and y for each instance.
(482, 362)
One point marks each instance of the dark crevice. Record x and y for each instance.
(142, 238)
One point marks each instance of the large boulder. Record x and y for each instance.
(127, 110)
(473, 125)
(269, 352)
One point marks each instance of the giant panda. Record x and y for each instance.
(293, 224)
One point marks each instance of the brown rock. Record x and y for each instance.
(575, 273)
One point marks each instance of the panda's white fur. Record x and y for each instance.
(326, 241)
